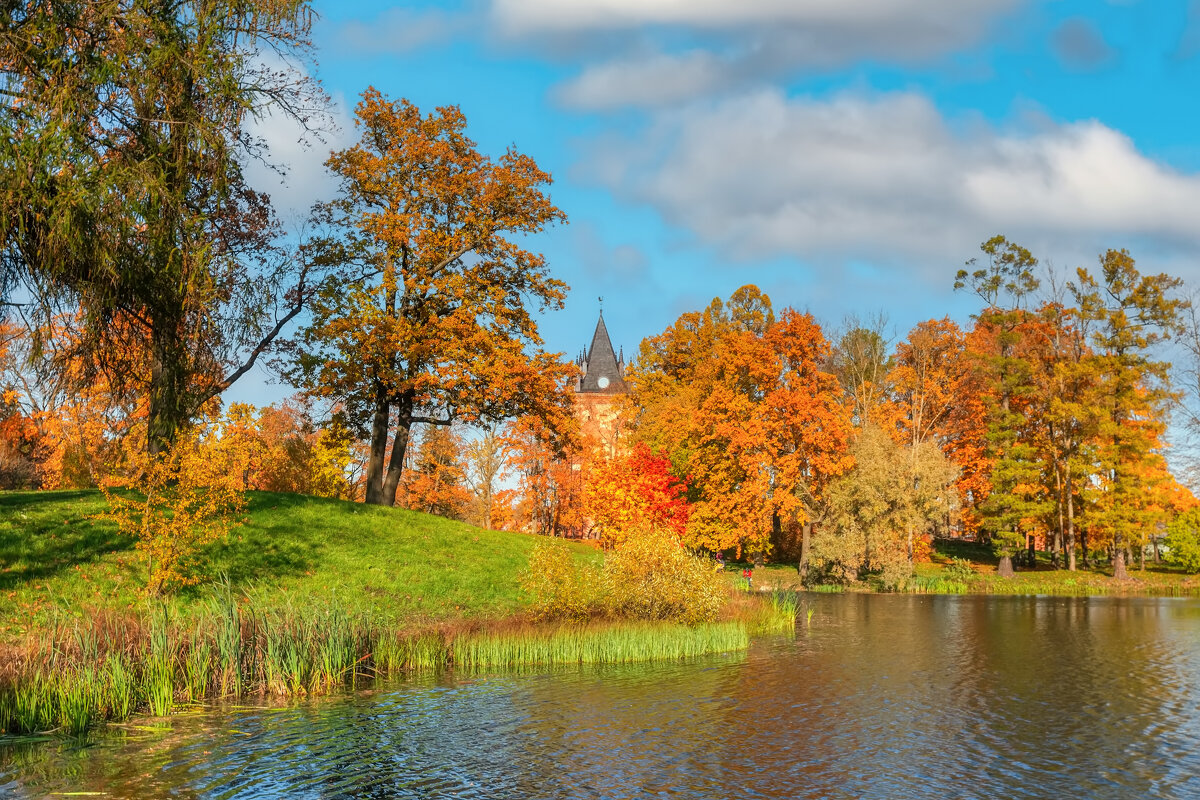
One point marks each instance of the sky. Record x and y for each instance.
(846, 156)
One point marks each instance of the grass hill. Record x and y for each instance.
(60, 560)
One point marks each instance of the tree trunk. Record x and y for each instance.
(1056, 559)
(805, 541)
(399, 446)
(167, 403)
(1005, 570)
(1070, 524)
(378, 451)
(1119, 572)
(1087, 558)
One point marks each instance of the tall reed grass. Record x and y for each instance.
(67, 679)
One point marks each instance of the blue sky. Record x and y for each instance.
(847, 156)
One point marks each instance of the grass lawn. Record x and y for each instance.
(937, 577)
(59, 560)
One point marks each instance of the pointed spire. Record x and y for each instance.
(602, 372)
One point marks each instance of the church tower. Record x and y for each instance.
(598, 391)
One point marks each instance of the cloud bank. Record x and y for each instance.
(888, 178)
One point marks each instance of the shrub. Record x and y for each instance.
(1183, 542)
(182, 501)
(960, 569)
(651, 576)
(560, 586)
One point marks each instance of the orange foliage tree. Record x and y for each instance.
(289, 452)
(548, 464)
(182, 501)
(436, 482)
(633, 492)
(429, 321)
(741, 403)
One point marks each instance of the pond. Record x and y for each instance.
(875, 696)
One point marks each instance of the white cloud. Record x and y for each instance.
(703, 46)
(886, 177)
(294, 174)
(549, 15)
(648, 81)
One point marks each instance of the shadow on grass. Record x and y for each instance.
(40, 540)
(276, 543)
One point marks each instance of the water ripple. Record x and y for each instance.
(889, 697)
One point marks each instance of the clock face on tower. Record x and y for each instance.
(602, 382)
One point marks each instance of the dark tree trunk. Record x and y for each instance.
(1056, 559)
(378, 452)
(1070, 524)
(805, 541)
(1005, 570)
(396, 463)
(404, 410)
(168, 384)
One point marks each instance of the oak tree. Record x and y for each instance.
(430, 320)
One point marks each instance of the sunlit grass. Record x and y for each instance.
(59, 560)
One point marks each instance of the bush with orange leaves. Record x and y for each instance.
(180, 502)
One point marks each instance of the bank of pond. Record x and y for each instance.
(312, 596)
(110, 668)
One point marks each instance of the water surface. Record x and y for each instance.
(880, 696)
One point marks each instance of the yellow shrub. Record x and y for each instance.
(651, 576)
(560, 586)
(183, 500)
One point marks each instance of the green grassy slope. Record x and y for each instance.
(57, 559)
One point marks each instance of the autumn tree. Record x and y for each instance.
(85, 430)
(19, 435)
(862, 364)
(1005, 281)
(436, 482)
(1130, 314)
(291, 452)
(633, 492)
(123, 196)
(741, 402)
(430, 320)
(874, 509)
(1065, 412)
(550, 473)
(809, 427)
(484, 458)
(925, 383)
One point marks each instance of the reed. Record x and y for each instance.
(70, 678)
(935, 584)
(779, 614)
(613, 643)
(197, 666)
(120, 687)
(158, 668)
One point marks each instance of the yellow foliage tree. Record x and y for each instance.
(180, 502)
